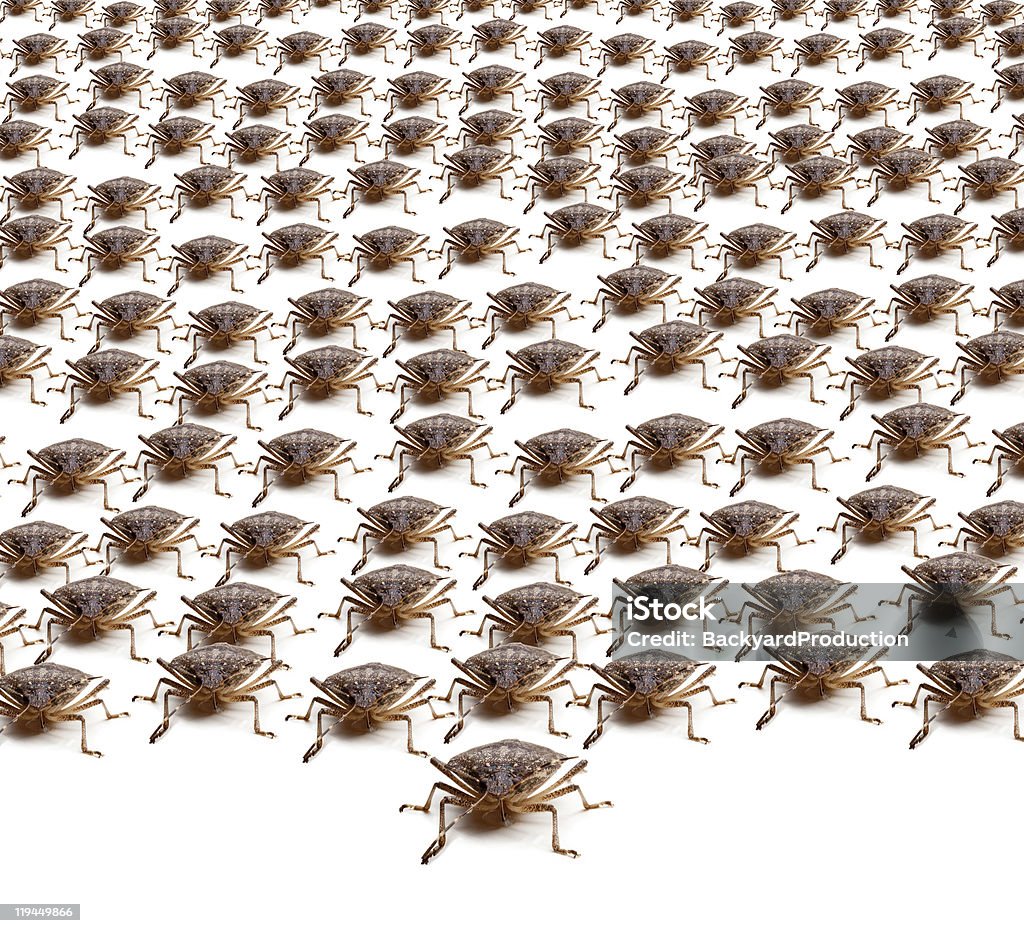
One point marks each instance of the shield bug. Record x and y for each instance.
(818, 669)
(37, 49)
(37, 546)
(416, 88)
(324, 311)
(736, 298)
(778, 359)
(863, 99)
(635, 523)
(751, 47)
(1008, 230)
(781, 444)
(263, 97)
(993, 357)
(818, 48)
(70, 465)
(639, 99)
(871, 144)
(685, 11)
(172, 31)
(491, 127)
(304, 455)
(365, 39)
(117, 247)
(332, 133)
(625, 48)
(108, 373)
(642, 145)
(495, 35)
(1010, 449)
(192, 88)
(435, 375)
(148, 531)
(410, 134)
(669, 441)
(843, 232)
(817, 176)
(569, 135)
(206, 184)
(268, 536)
(401, 523)
(18, 137)
(575, 224)
(339, 87)
(566, 90)
(649, 681)
(903, 168)
(754, 244)
(21, 359)
(988, 178)
(97, 605)
(52, 693)
(887, 370)
(395, 594)
(37, 187)
(523, 305)
(523, 537)
(934, 235)
(301, 47)
(667, 234)
(117, 197)
(33, 235)
(550, 363)
(376, 181)
(560, 455)
(37, 300)
(217, 385)
(509, 777)
(433, 39)
(369, 695)
(175, 135)
(184, 448)
(728, 174)
(880, 512)
(972, 681)
(510, 675)
(670, 346)
(218, 674)
(257, 141)
(928, 297)
(237, 610)
(207, 256)
(645, 185)
(917, 429)
(100, 125)
(938, 92)
(883, 43)
(557, 177)
(633, 289)
(325, 370)
(1009, 300)
(425, 314)
(743, 526)
(475, 240)
(688, 55)
(959, 580)
(439, 440)
(225, 324)
(34, 92)
(386, 247)
(536, 612)
(714, 106)
(955, 31)
(998, 527)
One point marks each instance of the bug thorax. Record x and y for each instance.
(506, 768)
(233, 603)
(782, 434)
(796, 591)
(147, 523)
(674, 430)
(830, 303)
(976, 672)
(524, 298)
(1000, 518)
(35, 539)
(369, 685)
(734, 292)
(651, 671)
(327, 303)
(883, 502)
(42, 686)
(562, 446)
(744, 519)
(534, 603)
(511, 664)
(212, 667)
(228, 317)
(956, 574)
(218, 378)
(304, 446)
(396, 585)
(522, 529)
(327, 362)
(918, 421)
(996, 348)
(780, 351)
(96, 597)
(671, 583)
(34, 294)
(635, 513)
(265, 529)
(108, 366)
(550, 356)
(816, 658)
(14, 350)
(440, 432)
(478, 233)
(184, 441)
(403, 514)
(888, 363)
(74, 456)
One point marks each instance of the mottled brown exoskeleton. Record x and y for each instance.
(685, 11)
(903, 168)
(411, 134)
(22, 359)
(32, 235)
(365, 39)
(753, 244)
(667, 234)
(972, 681)
(439, 440)
(433, 39)
(818, 48)
(38, 49)
(634, 523)
(192, 88)
(649, 681)
(993, 357)
(575, 224)
(217, 674)
(623, 49)
(495, 35)
(1008, 301)
(401, 523)
(416, 88)
(957, 137)
(205, 185)
(997, 528)
(324, 311)
(10, 624)
(817, 176)
(560, 455)
(108, 373)
(883, 43)
(301, 47)
(636, 100)
(550, 363)
(115, 247)
(182, 449)
(794, 143)
(567, 90)
(939, 92)
(386, 247)
(376, 181)
(818, 669)
(37, 187)
(206, 256)
(225, 324)
(880, 512)
(1009, 450)
(778, 359)
(781, 444)
(961, 581)
(864, 99)
(917, 429)
(1008, 231)
(843, 232)
(928, 297)
(264, 97)
(424, 314)
(235, 611)
(569, 135)
(335, 88)
(507, 676)
(669, 441)
(171, 31)
(728, 174)
(146, 532)
(670, 346)
(18, 137)
(557, 177)
(475, 240)
(633, 289)
(395, 594)
(752, 47)
(35, 92)
(332, 134)
(436, 374)
(326, 370)
(175, 135)
(987, 178)
(368, 695)
(645, 185)
(712, 107)
(887, 370)
(100, 125)
(52, 693)
(257, 141)
(35, 547)
(266, 537)
(744, 526)
(643, 145)
(303, 455)
(521, 538)
(96, 605)
(536, 612)
(869, 145)
(70, 465)
(688, 55)
(509, 777)
(217, 385)
(293, 188)
(117, 197)
(37, 300)
(524, 305)
(735, 298)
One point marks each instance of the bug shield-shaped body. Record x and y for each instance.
(523, 537)
(559, 455)
(302, 456)
(634, 523)
(267, 536)
(743, 526)
(148, 531)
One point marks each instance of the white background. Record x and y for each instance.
(820, 818)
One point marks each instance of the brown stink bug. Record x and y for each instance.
(22, 359)
(634, 523)
(130, 313)
(633, 289)
(993, 357)
(1009, 450)
(510, 777)
(928, 297)
(268, 536)
(937, 234)
(70, 465)
(324, 371)
(368, 695)
(401, 523)
(295, 244)
(146, 532)
(475, 240)
(106, 373)
(669, 441)
(781, 443)
(998, 527)
(436, 374)
(879, 512)
(523, 305)
(216, 385)
(386, 247)
(37, 546)
(183, 449)
(324, 311)
(671, 345)
(887, 370)
(736, 298)
(37, 300)
(10, 624)
(650, 681)
(424, 314)
(830, 310)
(523, 537)
(303, 455)
(778, 359)
(395, 594)
(560, 455)
(972, 681)
(218, 674)
(226, 323)
(52, 693)
(440, 440)
(511, 674)
(743, 526)
(550, 363)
